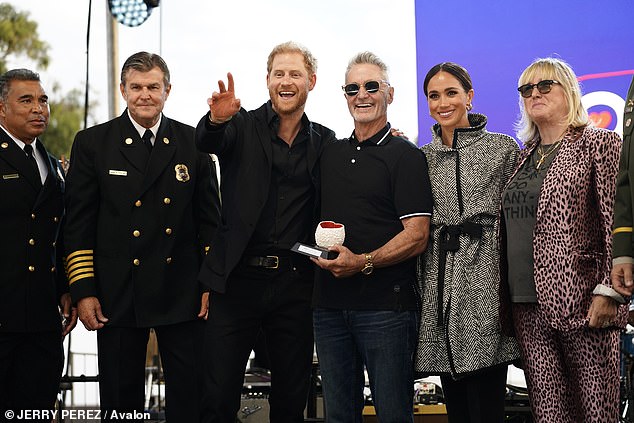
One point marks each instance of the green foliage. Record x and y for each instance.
(67, 116)
(18, 36)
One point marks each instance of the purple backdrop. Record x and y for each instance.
(496, 40)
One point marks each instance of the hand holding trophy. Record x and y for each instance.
(327, 234)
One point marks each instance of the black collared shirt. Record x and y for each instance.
(287, 216)
(370, 186)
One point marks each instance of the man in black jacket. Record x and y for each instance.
(142, 208)
(270, 187)
(33, 285)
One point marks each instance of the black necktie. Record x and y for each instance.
(147, 140)
(35, 170)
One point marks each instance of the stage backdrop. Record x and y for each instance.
(496, 40)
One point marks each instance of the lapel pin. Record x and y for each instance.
(166, 141)
(5, 145)
(128, 141)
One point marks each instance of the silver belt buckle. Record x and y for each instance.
(277, 262)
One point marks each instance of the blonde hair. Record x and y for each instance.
(291, 47)
(560, 71)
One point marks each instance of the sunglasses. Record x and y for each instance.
(370, 87)
(543, 87)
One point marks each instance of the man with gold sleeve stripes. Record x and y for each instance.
(142, 206)
(623, 241)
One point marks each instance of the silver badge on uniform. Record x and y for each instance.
(182, 173)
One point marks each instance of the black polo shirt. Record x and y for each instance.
(369, 187)
(287, 216)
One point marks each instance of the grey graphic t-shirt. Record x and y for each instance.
(519, 203)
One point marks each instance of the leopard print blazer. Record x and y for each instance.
(572, 241)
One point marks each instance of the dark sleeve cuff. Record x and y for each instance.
(622, 244)
(80, 271)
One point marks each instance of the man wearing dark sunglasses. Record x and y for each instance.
(377, 185)
(270, 186)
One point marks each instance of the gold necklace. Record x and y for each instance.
(543, 155)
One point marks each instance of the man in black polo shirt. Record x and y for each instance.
(377, 185)
(270, 183)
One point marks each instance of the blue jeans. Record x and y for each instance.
(383, 341)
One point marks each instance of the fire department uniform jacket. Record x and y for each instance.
(139, 224)
(31, 216)
(623, 213)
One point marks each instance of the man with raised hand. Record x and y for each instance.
(270, 190)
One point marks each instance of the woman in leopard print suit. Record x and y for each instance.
(558, 211)
(459, 335)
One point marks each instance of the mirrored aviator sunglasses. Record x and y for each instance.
(353, 89)
(543, 87)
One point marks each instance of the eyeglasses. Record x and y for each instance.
(543, 87)
(370, 87)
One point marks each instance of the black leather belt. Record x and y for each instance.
(272, 262)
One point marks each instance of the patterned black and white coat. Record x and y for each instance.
(467, 182)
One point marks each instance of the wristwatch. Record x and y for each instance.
(369, 265)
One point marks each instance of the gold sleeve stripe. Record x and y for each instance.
(79, 269)
(622, 229)
(78, 277)
(80, 252)
(79, 261)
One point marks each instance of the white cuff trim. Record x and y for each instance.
(607, 291)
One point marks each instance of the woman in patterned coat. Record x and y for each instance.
(459, 276)
(558, 211)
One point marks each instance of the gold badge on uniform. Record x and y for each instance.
(182, 173)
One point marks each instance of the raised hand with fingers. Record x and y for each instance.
(223, 103)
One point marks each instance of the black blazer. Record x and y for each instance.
(138, 225)
(243, 146)
(31, 216)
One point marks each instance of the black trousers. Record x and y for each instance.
(122, 353)
(277, 302)
(30, 370)
(478, 398)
